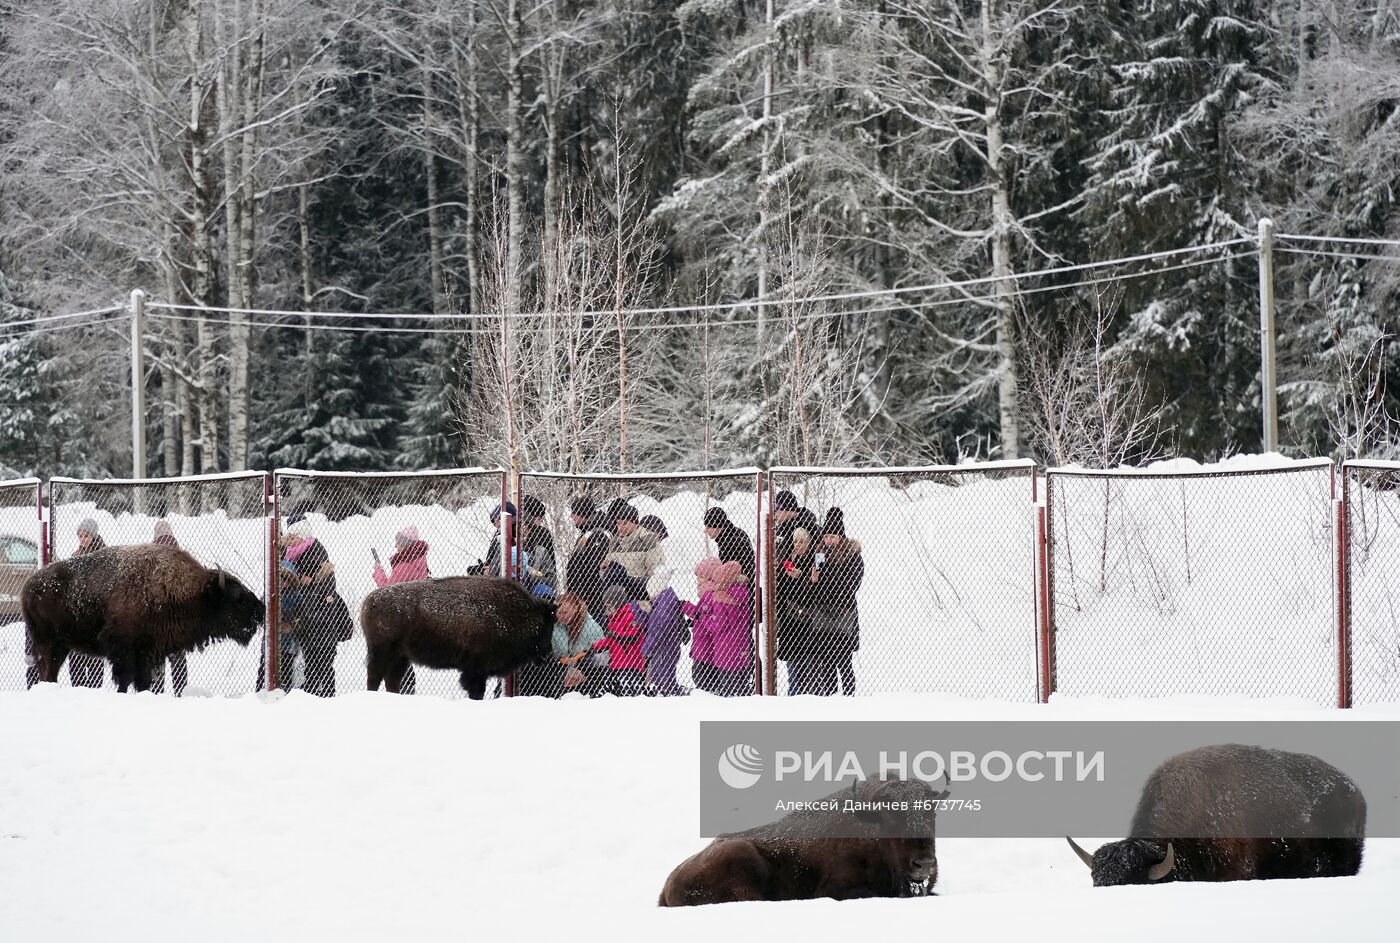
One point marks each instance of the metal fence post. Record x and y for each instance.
(273, 638)
(1046, 646)
(138, 384)
(765, 589)
(1268, 379)
(1343, 543)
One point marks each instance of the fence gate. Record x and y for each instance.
(372, 528)
(1212, 583)
(21, 553)
(1372, 609)
(947, 603)
(686, 505)
(219, 519)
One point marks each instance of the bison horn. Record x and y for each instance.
(221, 578)
(1159, 871)
(1084, 856)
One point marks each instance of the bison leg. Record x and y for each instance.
(141, 671)
(377, 668)
(48, 659)
(399, 678)
(474, 685)
(123, 668)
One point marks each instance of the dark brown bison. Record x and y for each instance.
(1307, 817)
(135, 606)
(481, 626)
(811, 854)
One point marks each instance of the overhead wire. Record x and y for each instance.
(741, 322)
(728, 305)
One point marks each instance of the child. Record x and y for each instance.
(622, 642)
(666, 634)
(720, 653)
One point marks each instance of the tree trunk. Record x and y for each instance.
(1008, 396)
(252, 83)
(435, 268)
(203, 285)
(515, 156)
(469, 116)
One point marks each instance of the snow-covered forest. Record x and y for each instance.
(550, 167)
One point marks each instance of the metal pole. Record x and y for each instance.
(138, 385)
(1268, 375)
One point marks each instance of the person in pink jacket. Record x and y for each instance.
(409, 562)
(720, 649)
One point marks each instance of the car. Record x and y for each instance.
(18, 559)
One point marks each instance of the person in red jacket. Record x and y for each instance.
(409, 562)
(622, 644)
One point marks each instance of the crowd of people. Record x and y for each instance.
(622, 626)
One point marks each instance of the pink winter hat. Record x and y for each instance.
(409, 535)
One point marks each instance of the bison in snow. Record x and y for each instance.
(135, 606)
(1232, 813)
(480, 626)
(812, 854)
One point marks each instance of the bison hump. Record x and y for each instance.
(159, 575)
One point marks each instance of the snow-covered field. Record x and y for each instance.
(372, 816)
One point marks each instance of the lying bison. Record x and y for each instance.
(481, 626)
(800, 857)
(135, 606)
(1312, 814)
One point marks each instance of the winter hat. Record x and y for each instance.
(705, 572)
(409, 535)
(613, 509)
(88, 526)
(715, 517)
(835, 523)
(541, 590)
(496, 512)
(728, 574)
(785, 501)
(615, 597)
(298, 526)
(582, 506)
(531, 506)
(163, 529)
(625, 512)
(660, 580)
(801, 535)
(653, 523)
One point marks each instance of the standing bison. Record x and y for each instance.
(134, 605)
(812, 854)
(480, 626)
(1312, 817)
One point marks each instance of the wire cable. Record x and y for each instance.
(730, 305)
(912, 306)
(1358, 256)
(1341, 240)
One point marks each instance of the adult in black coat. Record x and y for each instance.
(733, 543)
(788, 516)
(584, 572)
(836, 580)
(318, 617)
(792, 597)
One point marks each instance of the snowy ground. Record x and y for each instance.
(374, 816)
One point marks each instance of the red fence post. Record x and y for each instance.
(508, 559)
(1339, 507)
(43, 527)
(274, 563)
(1046, 646)
(764, 576)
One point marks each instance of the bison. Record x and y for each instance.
(1290, 814)
(480, 626)
(811, 854)
(135, 606)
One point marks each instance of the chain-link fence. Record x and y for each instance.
(1373, 579)
(342, 535)
(1216, 583)
(617, 544)
(21, 553)
(219, 519)
(924, 580)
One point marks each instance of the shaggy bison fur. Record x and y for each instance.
(812, 854)
(135, 606)
(1199, 809)
(480, 626)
